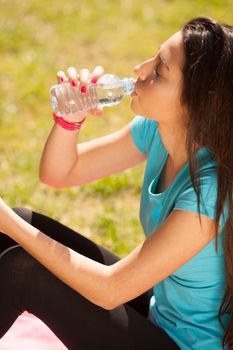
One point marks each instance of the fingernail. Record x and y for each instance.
(83, 89)
(61, 79)
(94, 80)
(74, 83)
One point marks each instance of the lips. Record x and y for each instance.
(135, 90)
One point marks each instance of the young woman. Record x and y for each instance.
(173, 291)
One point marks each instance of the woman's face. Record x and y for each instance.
(159, 84)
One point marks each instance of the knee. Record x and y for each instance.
(7, 265)
(24, 213)
(17, 278)
(16, 264)
(4, 256)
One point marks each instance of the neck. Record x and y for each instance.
(173, 138)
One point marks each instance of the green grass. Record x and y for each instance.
(38, 38)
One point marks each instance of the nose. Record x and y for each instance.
(137, 68)
(144, 69)
(139, 71)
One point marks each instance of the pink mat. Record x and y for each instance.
(28, 333)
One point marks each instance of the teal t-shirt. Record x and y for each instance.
(186, 303)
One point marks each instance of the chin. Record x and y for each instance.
(139, 111)
(134, 108)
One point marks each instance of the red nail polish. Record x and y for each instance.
(74, 83)
(83, 89)
(94, 80)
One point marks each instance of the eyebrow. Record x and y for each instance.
(163, 59)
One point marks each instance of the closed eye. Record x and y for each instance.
(157, 70)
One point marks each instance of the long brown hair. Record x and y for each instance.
(208, 97)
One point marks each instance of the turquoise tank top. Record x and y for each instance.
(186, 303)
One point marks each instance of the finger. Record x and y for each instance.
(97, 112)
(97, 72)
(61, 77)
(73, 76)
(84, 79)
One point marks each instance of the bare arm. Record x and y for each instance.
(60, 260)
(65, 164)
(153, 260)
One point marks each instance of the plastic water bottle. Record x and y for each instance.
(108, 91)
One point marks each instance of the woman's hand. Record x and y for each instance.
(80, 81)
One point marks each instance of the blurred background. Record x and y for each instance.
(38, 38)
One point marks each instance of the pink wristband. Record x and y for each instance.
(67, 125)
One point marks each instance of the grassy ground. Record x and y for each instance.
(38, 38)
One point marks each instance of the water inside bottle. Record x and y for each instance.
(105, 102)
(109, 91)
(109, 96)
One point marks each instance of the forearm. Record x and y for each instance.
(88, 277)
(59, 155)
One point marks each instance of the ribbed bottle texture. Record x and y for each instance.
(108, 91)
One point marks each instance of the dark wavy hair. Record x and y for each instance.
(208, 98)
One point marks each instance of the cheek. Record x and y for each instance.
(169, 97)
(157, 98)
(146, 102)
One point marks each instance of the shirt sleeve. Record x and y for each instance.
(187, 200)
(142, 132)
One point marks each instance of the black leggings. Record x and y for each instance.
(78, 323)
